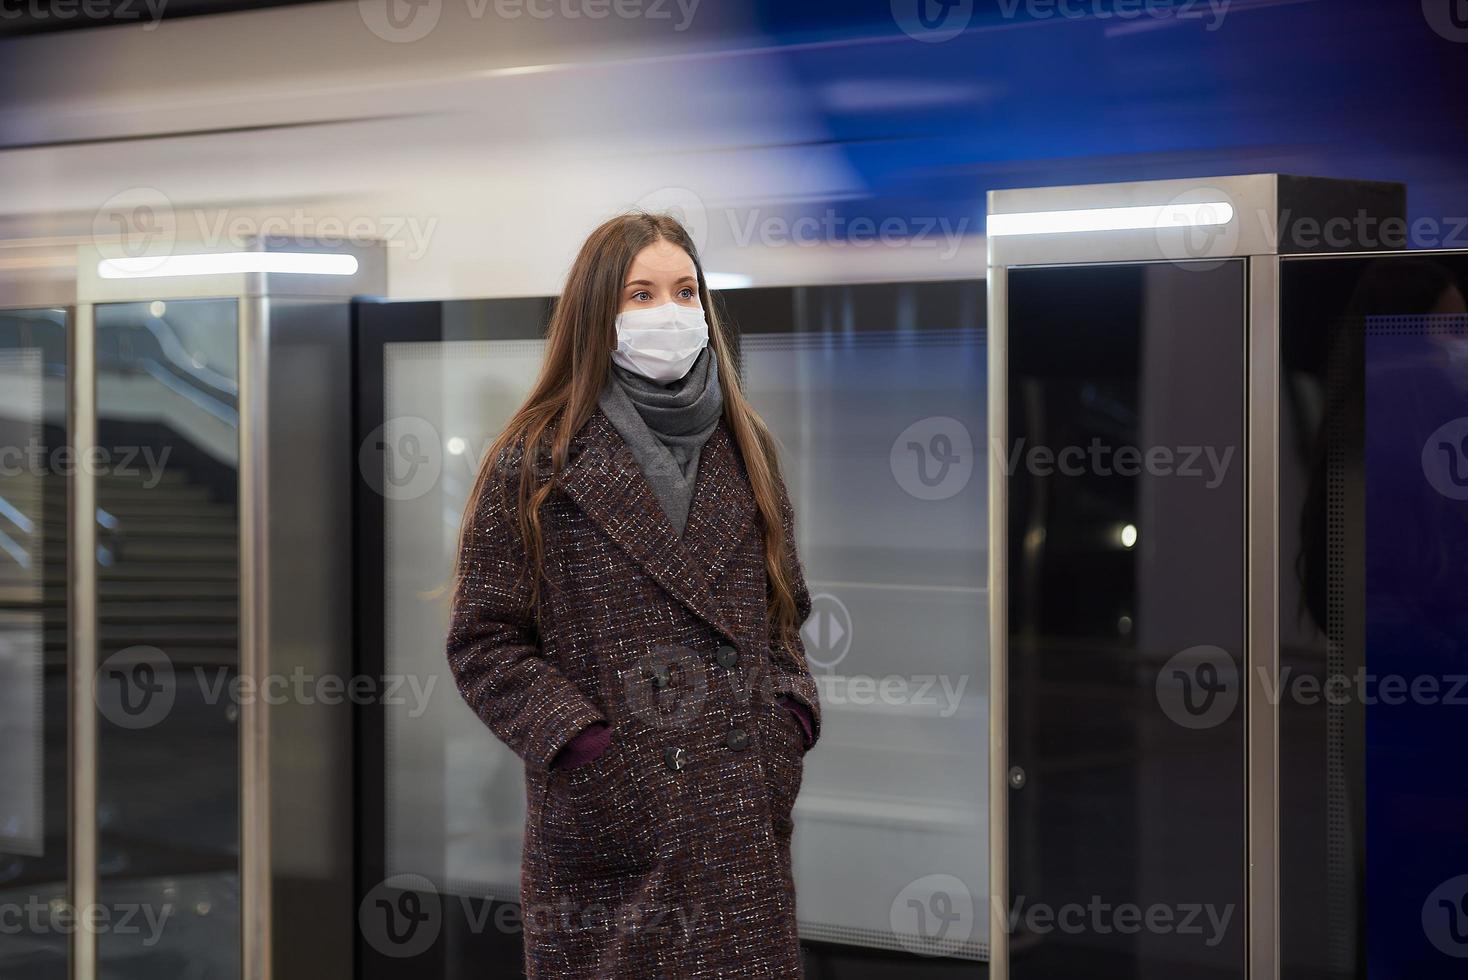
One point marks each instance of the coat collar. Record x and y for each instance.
(606, 482)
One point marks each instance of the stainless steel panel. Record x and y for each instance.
(82, 652)
(307, 565)
(255, 665)
(1263, 657)
(998, 898)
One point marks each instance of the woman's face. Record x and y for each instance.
(660, 274)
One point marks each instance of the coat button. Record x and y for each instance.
(661, 676)
(673, 758)
(726, 656)
(737, 740)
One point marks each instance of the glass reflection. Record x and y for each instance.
(33, 665)
(168, 649)
(455, 797)
(1374, 626)
(877, 394)
(1126, 621)
(882, 427)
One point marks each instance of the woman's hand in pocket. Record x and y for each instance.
(799, 719)
(593, 817)
(588, 746)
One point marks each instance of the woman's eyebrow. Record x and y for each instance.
(647, 282)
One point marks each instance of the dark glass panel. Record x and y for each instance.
(1126, 621)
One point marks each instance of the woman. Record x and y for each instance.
(627, 618)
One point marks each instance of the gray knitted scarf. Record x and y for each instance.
(666, 425)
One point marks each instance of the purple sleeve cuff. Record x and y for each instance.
(802, 715)
(586, 747)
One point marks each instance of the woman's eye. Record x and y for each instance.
(686, 292)
(642, 296)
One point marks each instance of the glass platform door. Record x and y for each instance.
(877, 394)
(1125, 476)
(1373, 626)
(34, 689)
(168, 652)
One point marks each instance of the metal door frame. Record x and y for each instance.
(252, 292)
(1259, 231)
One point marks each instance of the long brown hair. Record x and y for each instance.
(579, 342)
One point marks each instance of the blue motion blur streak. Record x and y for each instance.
(1043, 92)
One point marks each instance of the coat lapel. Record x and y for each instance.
(723, 510)
(606, 482)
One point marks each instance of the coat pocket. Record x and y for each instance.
(784, 762)
(593, 818)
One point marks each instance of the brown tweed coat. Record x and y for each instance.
(668, 856)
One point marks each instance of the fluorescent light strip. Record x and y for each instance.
(1152, 216)
(226, 263)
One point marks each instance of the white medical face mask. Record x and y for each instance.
(662, 343)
